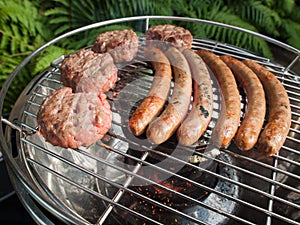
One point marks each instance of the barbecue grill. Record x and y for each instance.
(123, 179)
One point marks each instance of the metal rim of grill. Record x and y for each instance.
(265, 187)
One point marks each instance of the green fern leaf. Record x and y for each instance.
(65, 3)
(24, 43)
(83, 11)
(291, 30)
(14, 41)
(234, 37)
(295, 14)
(44, 59)
(285, 6)
(62, 29)
(263, 17)
(59, 20)
(4, 41)
(269, 3)
(56, 11)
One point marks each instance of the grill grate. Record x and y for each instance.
(115, 180)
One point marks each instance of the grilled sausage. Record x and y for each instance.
(152, 105)
(166, 124)
(200, 115)
(249, 130)
(229, 119)
(279, 118)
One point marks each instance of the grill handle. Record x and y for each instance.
(12, 125)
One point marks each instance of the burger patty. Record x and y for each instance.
(71, 120)
(87, 71)
(178, 36)
(121, 44)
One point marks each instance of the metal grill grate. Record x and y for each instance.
(115, 181)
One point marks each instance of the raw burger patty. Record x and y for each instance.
(178, 36)
(71, 120)
(121, 44)
(87, 71)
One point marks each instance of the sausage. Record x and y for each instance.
(229, 119)
(279, 110)
(152, 105)
(166, 124)
(200, 115)
(251, 125)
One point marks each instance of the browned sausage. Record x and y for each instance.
(166, 124)
(279, 118)
(200, 115)
(229, 119)
(249, 130)
(152, 105)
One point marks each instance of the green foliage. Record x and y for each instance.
(265, 19)
(219, 12)
(47, 56)
(21, 32)
(291, 32)
(290, 22)
(68, 15)
(8, 67)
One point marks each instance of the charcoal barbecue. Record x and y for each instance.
(123, 179)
